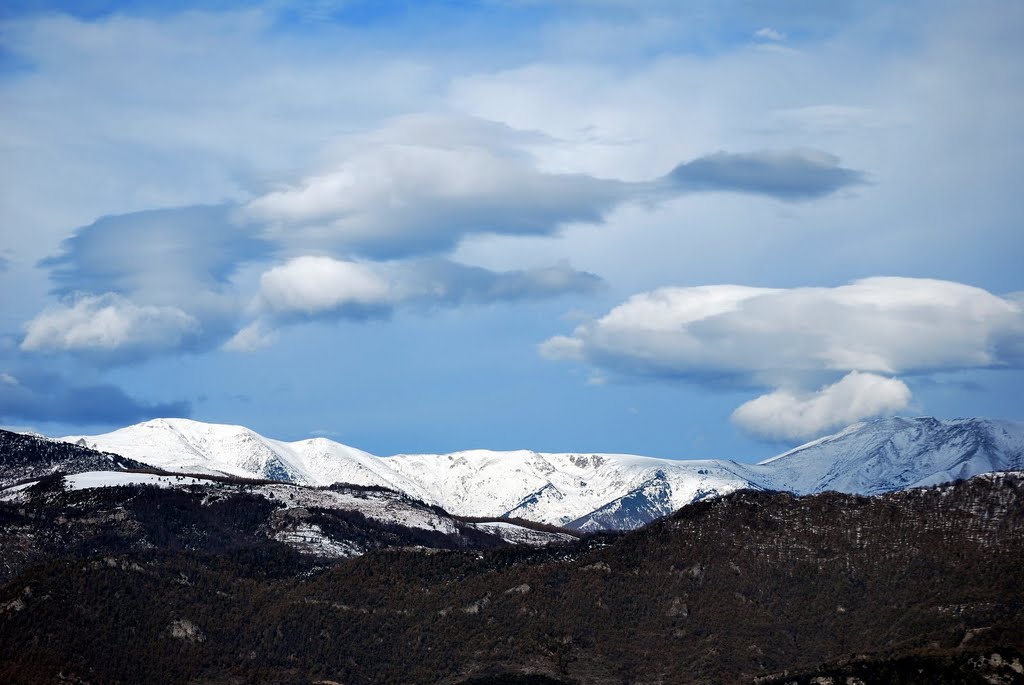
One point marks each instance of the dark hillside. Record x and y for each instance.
(751, 585)
(24, 457)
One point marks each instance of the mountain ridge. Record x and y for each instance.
(587, 490)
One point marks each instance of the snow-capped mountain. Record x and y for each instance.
(561, 488)
(586, 491)
(896, 453)
(196, 447)
(550, 488)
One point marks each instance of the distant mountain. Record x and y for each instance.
(896, 453)
(650, 500)
(565, 488)
(548, 488)
(588, 491)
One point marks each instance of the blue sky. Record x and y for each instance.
(683, 229)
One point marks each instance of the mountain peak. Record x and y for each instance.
(898, 452)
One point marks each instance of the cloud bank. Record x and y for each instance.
(867, 331)
(314, 285)
(885, 325)
(360, 239)
(145, 284)
(47, 397)
(318, 287)
(422, 184)
(154, 282)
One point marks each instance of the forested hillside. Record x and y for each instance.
(751, 585)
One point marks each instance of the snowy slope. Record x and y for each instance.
(559, 488)
(587, 491)
(104, 479)
(196, 447)
(551, 488)
(896, 453)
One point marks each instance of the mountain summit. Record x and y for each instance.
(897, 453)
(587, 491)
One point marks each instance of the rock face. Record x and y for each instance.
(652, 499)
(183, 629)
(589, 491)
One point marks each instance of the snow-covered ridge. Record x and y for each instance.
(196, 447)
(556, 488)
(896, 453)
(586, 490)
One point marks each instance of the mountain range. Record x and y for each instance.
(158, 567)
(585, 491)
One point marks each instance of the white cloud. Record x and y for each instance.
(424, 183)
(768, 33)
(788, 415)
(311, 285)
(419, 184)
(787, 339)
(108, 323)
(253, 337)
(883, 325)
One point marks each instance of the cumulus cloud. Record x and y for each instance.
(182, 264)
(884, 325)
(108, 324)
(787, 415)
(788, 338)
(424, 183)
(47, 397)
(312, 285)
(176, 260)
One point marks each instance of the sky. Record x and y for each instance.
(685, 229)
